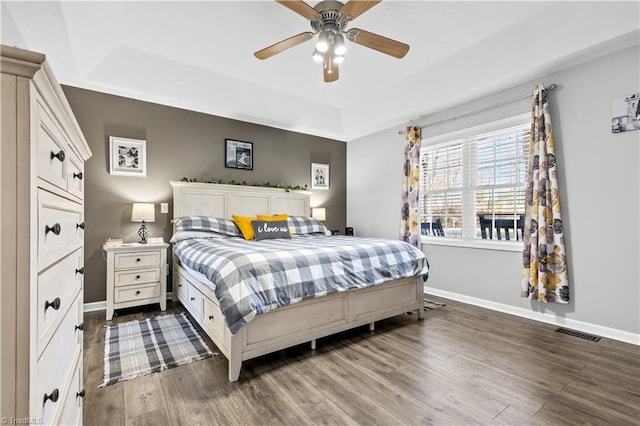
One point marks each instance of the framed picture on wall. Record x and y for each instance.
(127, 156)
(319, 176)
(238, 154)
(625, 113)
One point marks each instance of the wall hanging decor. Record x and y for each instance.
(238, 154)
(319, 176)
(625, 113)
(127, 156)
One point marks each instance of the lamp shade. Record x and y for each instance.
(143, 212)
(319, 213)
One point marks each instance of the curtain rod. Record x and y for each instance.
(552, 86)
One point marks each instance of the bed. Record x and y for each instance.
(274, 328)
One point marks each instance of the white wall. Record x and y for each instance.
(600, 183)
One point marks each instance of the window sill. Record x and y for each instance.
(515, 246)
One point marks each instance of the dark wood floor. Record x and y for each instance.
(462, 365)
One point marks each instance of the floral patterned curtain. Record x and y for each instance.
(544, 262)
(410, 217)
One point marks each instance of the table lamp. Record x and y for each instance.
(143, 212)
(319, 213)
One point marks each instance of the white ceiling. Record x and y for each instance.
(199, 55)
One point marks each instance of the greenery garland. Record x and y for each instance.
(244, 183)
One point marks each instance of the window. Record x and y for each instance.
(473, 182)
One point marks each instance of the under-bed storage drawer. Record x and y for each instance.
(195, 299)
(212, 318)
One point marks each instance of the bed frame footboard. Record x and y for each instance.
(291, 325)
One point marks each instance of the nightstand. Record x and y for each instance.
(136, 275)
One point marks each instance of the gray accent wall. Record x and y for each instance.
(600, 191)
(182, 143)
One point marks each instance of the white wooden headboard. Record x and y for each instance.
(216, 200)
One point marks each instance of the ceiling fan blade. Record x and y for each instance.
(355, 8)
(283, 45)
(331, 73)
(301, 8)
(378, 42)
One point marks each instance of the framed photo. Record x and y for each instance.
(238, 154)
(319, 176)
(625, 113)
(127, 156)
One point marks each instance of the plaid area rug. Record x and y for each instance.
(136, 348)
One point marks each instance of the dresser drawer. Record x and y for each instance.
(136, 260)
(59, 227)
(140, 276)
(75, 175)
(72, 409)
(135, 293)
(55, 366)
(57, 289)
(52, 157)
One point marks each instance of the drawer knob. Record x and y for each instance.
(80, 225)
(53, 396)
(193, 298)
(80, 394)
(138, 260)
(80, 326)
(59, 155)
(211, 317)
(137, 292)
(137, 277)
(55, 229)
(80, 271)
(78, 175)
(55, 304)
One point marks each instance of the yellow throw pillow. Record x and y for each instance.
(244, 223)
(268, 218)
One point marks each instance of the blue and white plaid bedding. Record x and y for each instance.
(253, 277)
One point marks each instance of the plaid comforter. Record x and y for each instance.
(253, 277)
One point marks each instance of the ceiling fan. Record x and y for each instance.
(329, 19)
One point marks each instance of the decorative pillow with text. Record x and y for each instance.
(266, 230)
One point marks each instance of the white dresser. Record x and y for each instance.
(41, 246)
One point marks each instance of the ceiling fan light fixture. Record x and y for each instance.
(338, 59)
(323, 42)
(317, 56)
(339, 47)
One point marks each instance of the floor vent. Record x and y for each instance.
(585, 336)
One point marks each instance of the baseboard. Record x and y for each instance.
(598, 330)
(101, 306)
(95, 306)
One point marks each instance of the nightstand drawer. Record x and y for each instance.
(136, 260)
(136, 292)
(139, 276)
